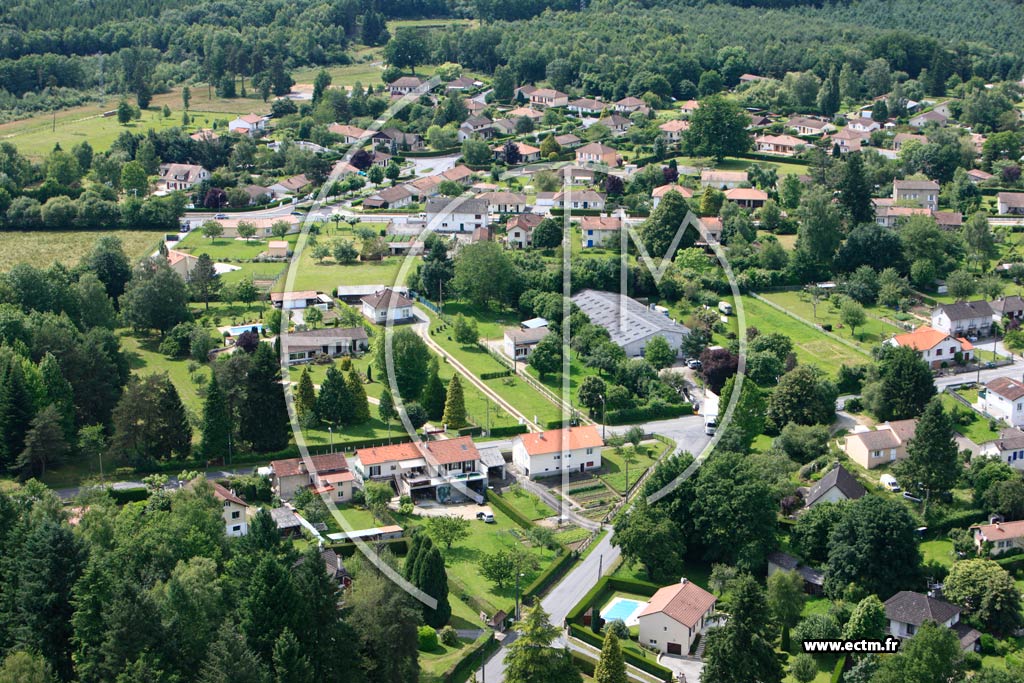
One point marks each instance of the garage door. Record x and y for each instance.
(675, 649)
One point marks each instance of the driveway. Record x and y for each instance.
(689, 669)
(424, 166)
(464, 510)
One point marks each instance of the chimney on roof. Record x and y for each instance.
(995, 519)
(302, 466)
(683, 581)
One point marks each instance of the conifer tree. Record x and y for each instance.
(305, 398)
(334, 404)
(360, 405)
(264, 415)
(17, 408)
(455, 405)
(386, 407)
(611, 667)
(432, 579)
(57, 392)
(433, 397)
(290, 664)
(216, 422)
(44, 444)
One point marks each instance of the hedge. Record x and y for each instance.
(549, 576)
(837, 673)
(470, 431)
(647, 413)
(398, 546)
(495, 375)
(510, 430)
(553, 424)
(132, 495)
(426, 154)
(958, 520)
(611, 584)
(555, 211)
(464, 668)
(584, 663)
(653, 668)
(517, 517)
(1011, 563)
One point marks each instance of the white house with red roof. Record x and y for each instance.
(250, 124)
(658, 193)
(1002, 535)
(674, 616)
(327, 473)
(447, 470)
(934, 346)
(1003, 399)
(546, 454)
(235, 511)
(747, 197)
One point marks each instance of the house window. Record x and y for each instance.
(235, 514)
(938, 352)
(590, 451)
(236, 528)
(375, 471)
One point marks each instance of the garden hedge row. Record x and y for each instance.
(653, 668)
(647, 413)
(132, 495)
(957, 520)
(548, 577)
(464, 668)
(510, 430)
(495, 375)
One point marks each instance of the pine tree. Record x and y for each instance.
(264, 415)
(17, 408)
(290, 664)
(57, 392)
(231, 661)
(269, 606)
(178, 431)
(386, 407)
(334, 404)
(931, 465)
(216, 422)
(611, 667)
(415, 546)
(454, 405)
(855, 191)
(360, 404)
(305, 397)
(44, 444)
(432, 579)
(413, 570)
(433, 397)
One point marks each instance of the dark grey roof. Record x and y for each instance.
(448, 206)
(386, 298)
(327, 333)
(1007, 305)
(1010, 439)
(285, 518)
(967, 635)
(965, 310)
(788, 563)
(627, 320)
(836, 477)
(909, 607)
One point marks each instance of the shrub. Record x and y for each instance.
(619, 628)
(449, 636)
(427, 638)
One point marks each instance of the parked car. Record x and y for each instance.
(221, 216)
(911, 498)
(889, 482)
(693, 364)
(485, 517)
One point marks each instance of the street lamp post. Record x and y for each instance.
(604, 412)
(330, 430)
(518, 575)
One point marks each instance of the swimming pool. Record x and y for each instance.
(622, 608)
(239, 329)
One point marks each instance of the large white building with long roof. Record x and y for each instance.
(630, 324)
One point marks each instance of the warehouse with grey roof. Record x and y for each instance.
(630, 324)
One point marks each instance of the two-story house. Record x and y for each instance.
(331, 469)
(673, 130)
(447, 471)
(580, 199)
(920, 192)
(506, 202)
(1009, 448)
(597, 153)
(519, 229)
(885, 444)
(1002, 536)
(599, 231)
(1003, 399)
(456, 215)
(235, 511)
(387, 305)
(674, 616)
(964, 318)
(936, 347)
(1007, 308)
(174, 177)
(547, 454)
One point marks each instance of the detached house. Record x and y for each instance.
(836, 485)
(688, 107)
(964, 318)
(674, 129)
(1003, 399)
(547, 97)
(1009, 448)
(674, 616)
(597, 153)
(922, 120)
(404, 85)
(921, 192)
(907, 611)
(886, 443)
(1010, 308)
(506, 202)
(528, 154)
(658, 193)
(299, 300)
(287, 477)
(251, 124)
(628, 105)
(547, 454)
(305, 345)
(235, 511)
(783, 145)
(175, 177)
(386, 306)
(597, 231)
(616, 123)
(349, 134)
(1003, 536)
(519, 342)
(519, 229)
(864, 125)
(458, 215)
(936, 347)
(580, 199)
(747, 197)
(722, 180)
(1010, 202)
(805, 125)
(476, 126)
(586, 107)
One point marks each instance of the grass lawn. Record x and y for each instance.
(359, 517)
(978, 430)
(327, 276)
(695, 571)
(940, 551)
(463, 560)
(613, 465)
(762, 443)
(145, 359)
(41, 248)
(224, 249)
(527, 504)
(434, 663)
(871, 333)
(736, 164)
(815, 606)
(826, 664)
(812, 347)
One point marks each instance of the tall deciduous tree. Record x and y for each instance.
(410, 359)
(933, 654)
(718, 129)
(900, 384)
(987, 592)
(155, 298)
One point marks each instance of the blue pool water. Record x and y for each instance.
(621, 608)
(235, 331)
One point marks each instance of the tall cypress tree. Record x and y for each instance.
(357, 394)
(454, 405)
(289, 663)
(264, 415)
(413, 570)
(855, 191)
(931, 465)
(415, 545)
(611, 667)
(432, 579)
(216, 422)
(433, 397)
(177, 429)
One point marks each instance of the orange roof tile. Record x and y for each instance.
(685, 602)
(551, 441)
(921, 339)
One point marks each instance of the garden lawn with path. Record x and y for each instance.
(525, 503)
(613, 464)
(872, 332)
(978, 429)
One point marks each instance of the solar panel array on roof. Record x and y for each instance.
(635, 323)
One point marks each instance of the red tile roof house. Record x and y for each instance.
(448, 470)
(519, 229)
(747, 197)
(330, 470)
(527, 153)
(597, 153)
(235, 511)
(250, 124)
(547, 454)
(674, 616)
(783, 145)
(547, 97)
(1002, 536)
(674, 129)
(597, 231)
(659, 192)
(934, 346)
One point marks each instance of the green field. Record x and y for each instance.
(227, 250)
(43, 247)
(526, 504)
(873, 332)
(613, 465)
(811, 345)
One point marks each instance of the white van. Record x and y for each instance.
(725, 307)
(889, 482)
